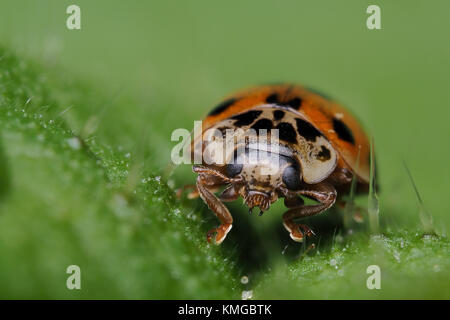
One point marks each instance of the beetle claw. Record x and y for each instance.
(210, 234)
(218, 234)
(307, 230)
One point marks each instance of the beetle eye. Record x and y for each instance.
(291, 177)
(233, 169)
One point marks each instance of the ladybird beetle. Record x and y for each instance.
(319, 144)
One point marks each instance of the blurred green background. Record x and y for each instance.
(86, 118)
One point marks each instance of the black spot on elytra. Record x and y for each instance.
(222, 106)
(286, 132)
(294, 103)
(343, 132)
(307, 130)
(324, 154)
(247, 118)
(273, 98)
(278, 114)
(263, 124)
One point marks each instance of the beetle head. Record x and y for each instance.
(259, 199)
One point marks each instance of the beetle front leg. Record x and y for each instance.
(213, 180)
(219, 209)
(215, 174)
(322, 192)
(193, 193)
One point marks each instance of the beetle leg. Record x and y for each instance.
(201, 170)
(193, 193)
(323, 192)
(219, 209)
(212, 179)
(229, 194)
(293, 201)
